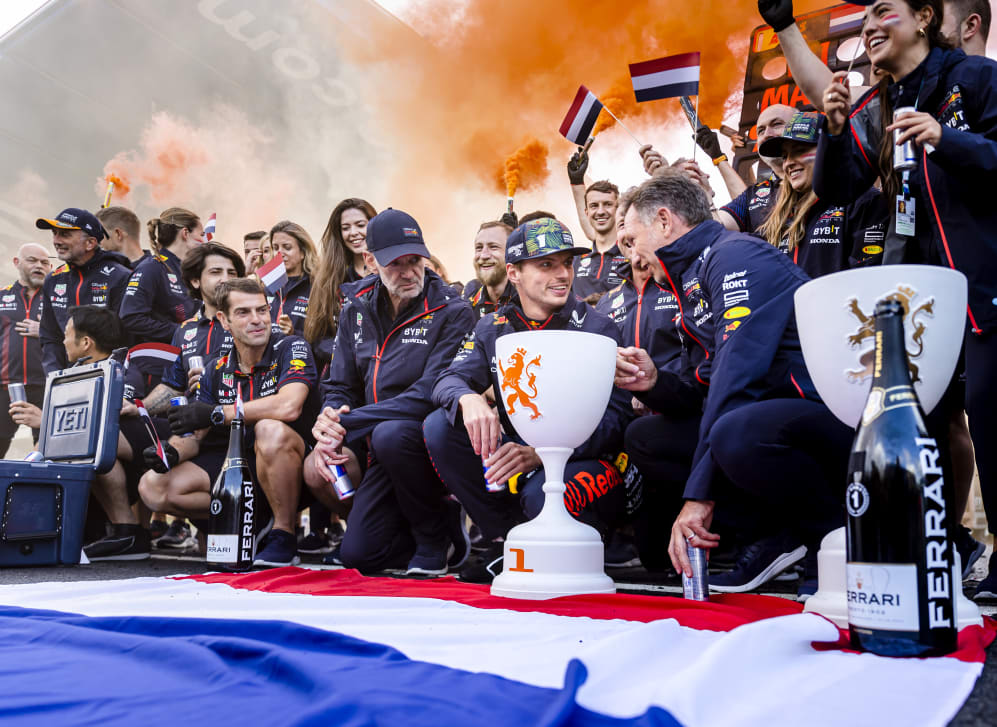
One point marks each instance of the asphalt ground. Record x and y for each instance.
(980, 710)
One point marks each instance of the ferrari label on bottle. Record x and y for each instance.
(937, 565)
(883, 596)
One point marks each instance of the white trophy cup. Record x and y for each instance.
(834, 315)
(555, 386)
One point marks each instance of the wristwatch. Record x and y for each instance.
(218, 416)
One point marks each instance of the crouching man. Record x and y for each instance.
(466, 433)
(277, 378)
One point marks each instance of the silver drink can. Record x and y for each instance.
(341, 482)
(180, 401)
(195, 362)
(34, 456)
(696, 588)
(905, 155)
(491, 486)
(16, 392)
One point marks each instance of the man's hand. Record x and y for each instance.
(837, 103)
(709, 142)
(284, 324)
(254, 260)
(26, 413)
(328, 430)
(635, 371)
(691, 527)
(577, 166)
(128, 408)
(482, 424)
(652, 159)
(777, 13)
(919, 126)
(193, 376)
(510, 459)
(639, 407)
(27, 328)
(509, 218)
(189, 417)
(155, 463)
(694, 172)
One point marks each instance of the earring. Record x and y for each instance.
(921, 33)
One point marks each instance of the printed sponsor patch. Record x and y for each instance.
(737, 312)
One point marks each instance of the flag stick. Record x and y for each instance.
(694, 132)
(588, 144)
(623, 125)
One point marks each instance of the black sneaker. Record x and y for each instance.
(620, 551)
(177, 536)
(758, 563)
(987, 590)
(336, 531)
(332, 557)
(486, 566)
(122, 542)
(280, 548)
(970, 549)
(158, 528)
(478, 542)
(459, 539)
(315, 544)
(429, 560)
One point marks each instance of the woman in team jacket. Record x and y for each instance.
(290, 306)
(942, 208)
(820, 236)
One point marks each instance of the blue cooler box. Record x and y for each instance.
(45, 503)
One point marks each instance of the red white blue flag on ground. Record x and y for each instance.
(209, 228)
(846, 18)
(666, 77)
(581, 117)
(273, 274)
(321, 647)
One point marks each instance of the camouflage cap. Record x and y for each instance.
(804, 127)
(539, 238)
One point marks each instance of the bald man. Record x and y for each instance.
(20, 348)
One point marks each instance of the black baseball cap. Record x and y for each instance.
(73, 218)
(392, 234)
(540, 238)
(803, 127)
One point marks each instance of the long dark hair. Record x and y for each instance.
(324, 303)
(933, 31)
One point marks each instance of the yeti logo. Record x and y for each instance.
(914, 326)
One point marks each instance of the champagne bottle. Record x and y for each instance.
(231, 537)
(899, 563)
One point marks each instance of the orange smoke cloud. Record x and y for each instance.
(121, 187)
(491, 72)
(525, 168)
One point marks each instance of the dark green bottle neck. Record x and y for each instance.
(235, 438)
(889, 363)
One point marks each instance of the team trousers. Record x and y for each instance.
(399, 503)
(981, 403)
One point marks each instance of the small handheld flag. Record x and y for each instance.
(581, 117)
(209, 228)
(666, 77)
(150, 353)
(151, 430)
(273, 274)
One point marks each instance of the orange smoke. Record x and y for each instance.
(121, 187)
(525, 168)
(481, 73)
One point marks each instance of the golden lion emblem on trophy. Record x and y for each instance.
(913, 326)
(511, 378)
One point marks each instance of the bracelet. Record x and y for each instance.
(719, 159)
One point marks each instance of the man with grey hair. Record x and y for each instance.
(761, 416)
(20, 348)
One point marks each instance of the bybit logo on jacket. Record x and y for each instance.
(914, 327)
(512, 381)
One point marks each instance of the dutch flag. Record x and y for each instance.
(666, 77)
(845, 19)
(581, 117)
(334, 648)
(209, 228)
(273, 274)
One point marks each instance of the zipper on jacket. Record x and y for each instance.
(380, 351)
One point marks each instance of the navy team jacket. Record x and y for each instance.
(384, 369)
